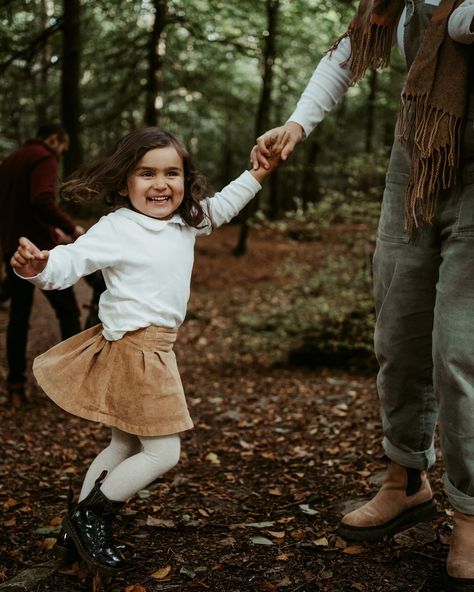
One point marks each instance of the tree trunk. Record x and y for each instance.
(370, 124)
(155, 62)
(70, 89)
(263, 110)
(40, 79)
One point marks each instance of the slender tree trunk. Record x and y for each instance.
(370, 124)
(70, 83)
(263, 110)
(155, 62)
(40, 80)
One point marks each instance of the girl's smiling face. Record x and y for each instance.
(156, 185)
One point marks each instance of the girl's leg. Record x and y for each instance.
(159, 455)
(122, 446)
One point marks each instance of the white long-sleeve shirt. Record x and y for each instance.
(330, 80)
(146, 262)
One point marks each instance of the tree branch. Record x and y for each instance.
(34, 46)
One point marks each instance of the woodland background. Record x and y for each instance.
(217, 74)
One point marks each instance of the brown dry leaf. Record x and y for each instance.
(55, 521)
(10, 522)
(160, 574)
(286, 520)
(297, 535)
(152, 521)
(358, 586)
(203, 512)
(275, 491)
(136, 588)
(267, 587)
(49, 543)
(10, 503)
(282, 557)
(353, 550)
(277, 535)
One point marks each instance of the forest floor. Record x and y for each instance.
(277, 455)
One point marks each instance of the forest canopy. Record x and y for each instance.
(216, 73)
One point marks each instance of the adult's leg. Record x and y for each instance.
(453, 347)
(67, 310)
(405, 277)
(21, 301)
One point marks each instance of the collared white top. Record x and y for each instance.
(146, 262)
(330, 80)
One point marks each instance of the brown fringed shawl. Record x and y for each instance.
(433, 100)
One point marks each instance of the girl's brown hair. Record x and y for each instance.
(107, 176)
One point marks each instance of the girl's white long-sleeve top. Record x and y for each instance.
(146, 262)
(330, 80)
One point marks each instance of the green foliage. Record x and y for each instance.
(316, 317)
(209, 83)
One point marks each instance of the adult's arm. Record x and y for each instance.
(43, 196)
(461, 23)
(326, 87)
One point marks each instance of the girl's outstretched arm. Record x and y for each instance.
(28, 261)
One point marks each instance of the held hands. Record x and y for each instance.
(287, 136)
(28, 260)
(274, 147)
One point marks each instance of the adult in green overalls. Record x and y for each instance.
(424, 259)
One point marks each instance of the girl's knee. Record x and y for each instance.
(162, 450)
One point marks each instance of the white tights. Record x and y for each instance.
(132, 462)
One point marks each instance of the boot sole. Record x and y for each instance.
(93, 565)
(458, 584)
(421, 513)
(65, 555)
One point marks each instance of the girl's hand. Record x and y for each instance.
(275, 150)
(28, 260)
(292, 133)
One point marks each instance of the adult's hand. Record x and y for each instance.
(261, 151)
(28, 260)
(78, 231)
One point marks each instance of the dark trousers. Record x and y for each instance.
(21, 302)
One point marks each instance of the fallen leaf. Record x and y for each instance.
(160, 574)
(353, 550)
(260, 524)
(259, 540)
(322, 542)
(275, 491)
(213, 458)
(151, 521)
(277, 535)
(307, 510)
(49, 543)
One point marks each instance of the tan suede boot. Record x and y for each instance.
(404, 499)
(460, 562)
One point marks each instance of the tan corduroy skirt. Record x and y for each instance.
(132, 384)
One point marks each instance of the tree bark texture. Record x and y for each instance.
(155, 62)
(70, 83)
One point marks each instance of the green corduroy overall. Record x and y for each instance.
(424, 299)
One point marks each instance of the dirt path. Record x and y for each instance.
(276, 456)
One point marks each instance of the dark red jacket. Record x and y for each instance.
(28, 198)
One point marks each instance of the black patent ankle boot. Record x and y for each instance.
(64, 549)
(89, 525)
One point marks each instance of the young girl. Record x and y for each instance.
(123, 372)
